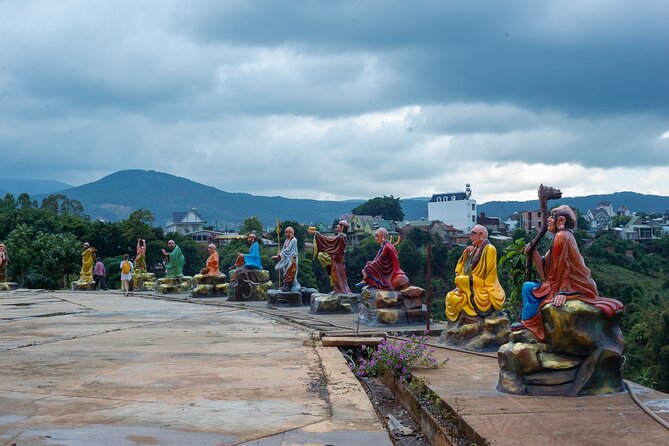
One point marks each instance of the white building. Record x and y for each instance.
(185, 222)
(454, 208)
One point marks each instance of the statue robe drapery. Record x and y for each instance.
(288, 264)
(384, 271)
(175, 263)
(566, 274)
(330, 251)
(478, 291)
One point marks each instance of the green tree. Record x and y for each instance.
(389, 208)
(252, 224)
(620, 220)
(8, 202)
(24, 201)
(42, 260)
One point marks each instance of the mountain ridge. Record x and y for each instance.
(118, 194)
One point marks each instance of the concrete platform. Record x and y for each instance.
(99, 368)
(467, 385)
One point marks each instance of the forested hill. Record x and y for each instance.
(115, 196)
(634, 201)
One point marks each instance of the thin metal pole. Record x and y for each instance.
(429, 284)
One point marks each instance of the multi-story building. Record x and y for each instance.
(454, 208)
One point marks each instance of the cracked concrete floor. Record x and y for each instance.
(102, 368)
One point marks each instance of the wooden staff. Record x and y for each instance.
(545, 193)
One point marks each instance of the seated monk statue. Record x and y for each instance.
(478, 291)
(288, 261)
(87, 261)
(212, 268)
(330, 251)
(174, 261)
(248, 261)
(252, 259)
(384, 271)
(563, 274)
(4, 260)
(140, 257)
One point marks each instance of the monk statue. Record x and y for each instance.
(563, 275)
(252, 259)
(330, 251)
(87, 261)
(4, 260)
(244, 262)
(140, 257)
(288, 261)
(384, 272)
(477, 289)
(212, 268)
(174, 261)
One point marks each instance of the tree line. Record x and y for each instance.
(45, 243)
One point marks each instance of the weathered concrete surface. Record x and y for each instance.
(100, 368)
(467, 385)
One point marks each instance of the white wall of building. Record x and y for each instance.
(459, 213)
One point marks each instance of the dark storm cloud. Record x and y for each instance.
(352, 98)
(577, 57)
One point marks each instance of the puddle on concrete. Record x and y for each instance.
(658, 406)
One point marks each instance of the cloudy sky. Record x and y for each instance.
(340, 99)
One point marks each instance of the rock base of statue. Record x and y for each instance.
(82, 285)
(382, 307)
(171, 285)
(297, 298)
(280, 298)
(306, 295)
(143, 281)
(582, 354)
(8, 286)
(476, 333)
(209, 286)
(334, 303)
(249, 284)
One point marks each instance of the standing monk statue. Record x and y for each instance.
(174, 265)
(478, 291)
(87, 261)
(330, 251)
(563, 274)
(288, 261)
(4, 260)
(140, 257)
(212, 268)
(384, 271)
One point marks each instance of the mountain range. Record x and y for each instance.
(115, 196)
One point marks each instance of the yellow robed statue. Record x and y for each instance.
(478, 291)
(87, 260)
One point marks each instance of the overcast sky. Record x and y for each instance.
(340, 99)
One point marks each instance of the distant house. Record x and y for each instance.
(493, 224)
(444, 231)
(530, 220)
(191, 224)
(185, 222)
(363, 226)
(511, 224)
(601, 216)
(453, 208)
(636, 229)
(623, 211)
